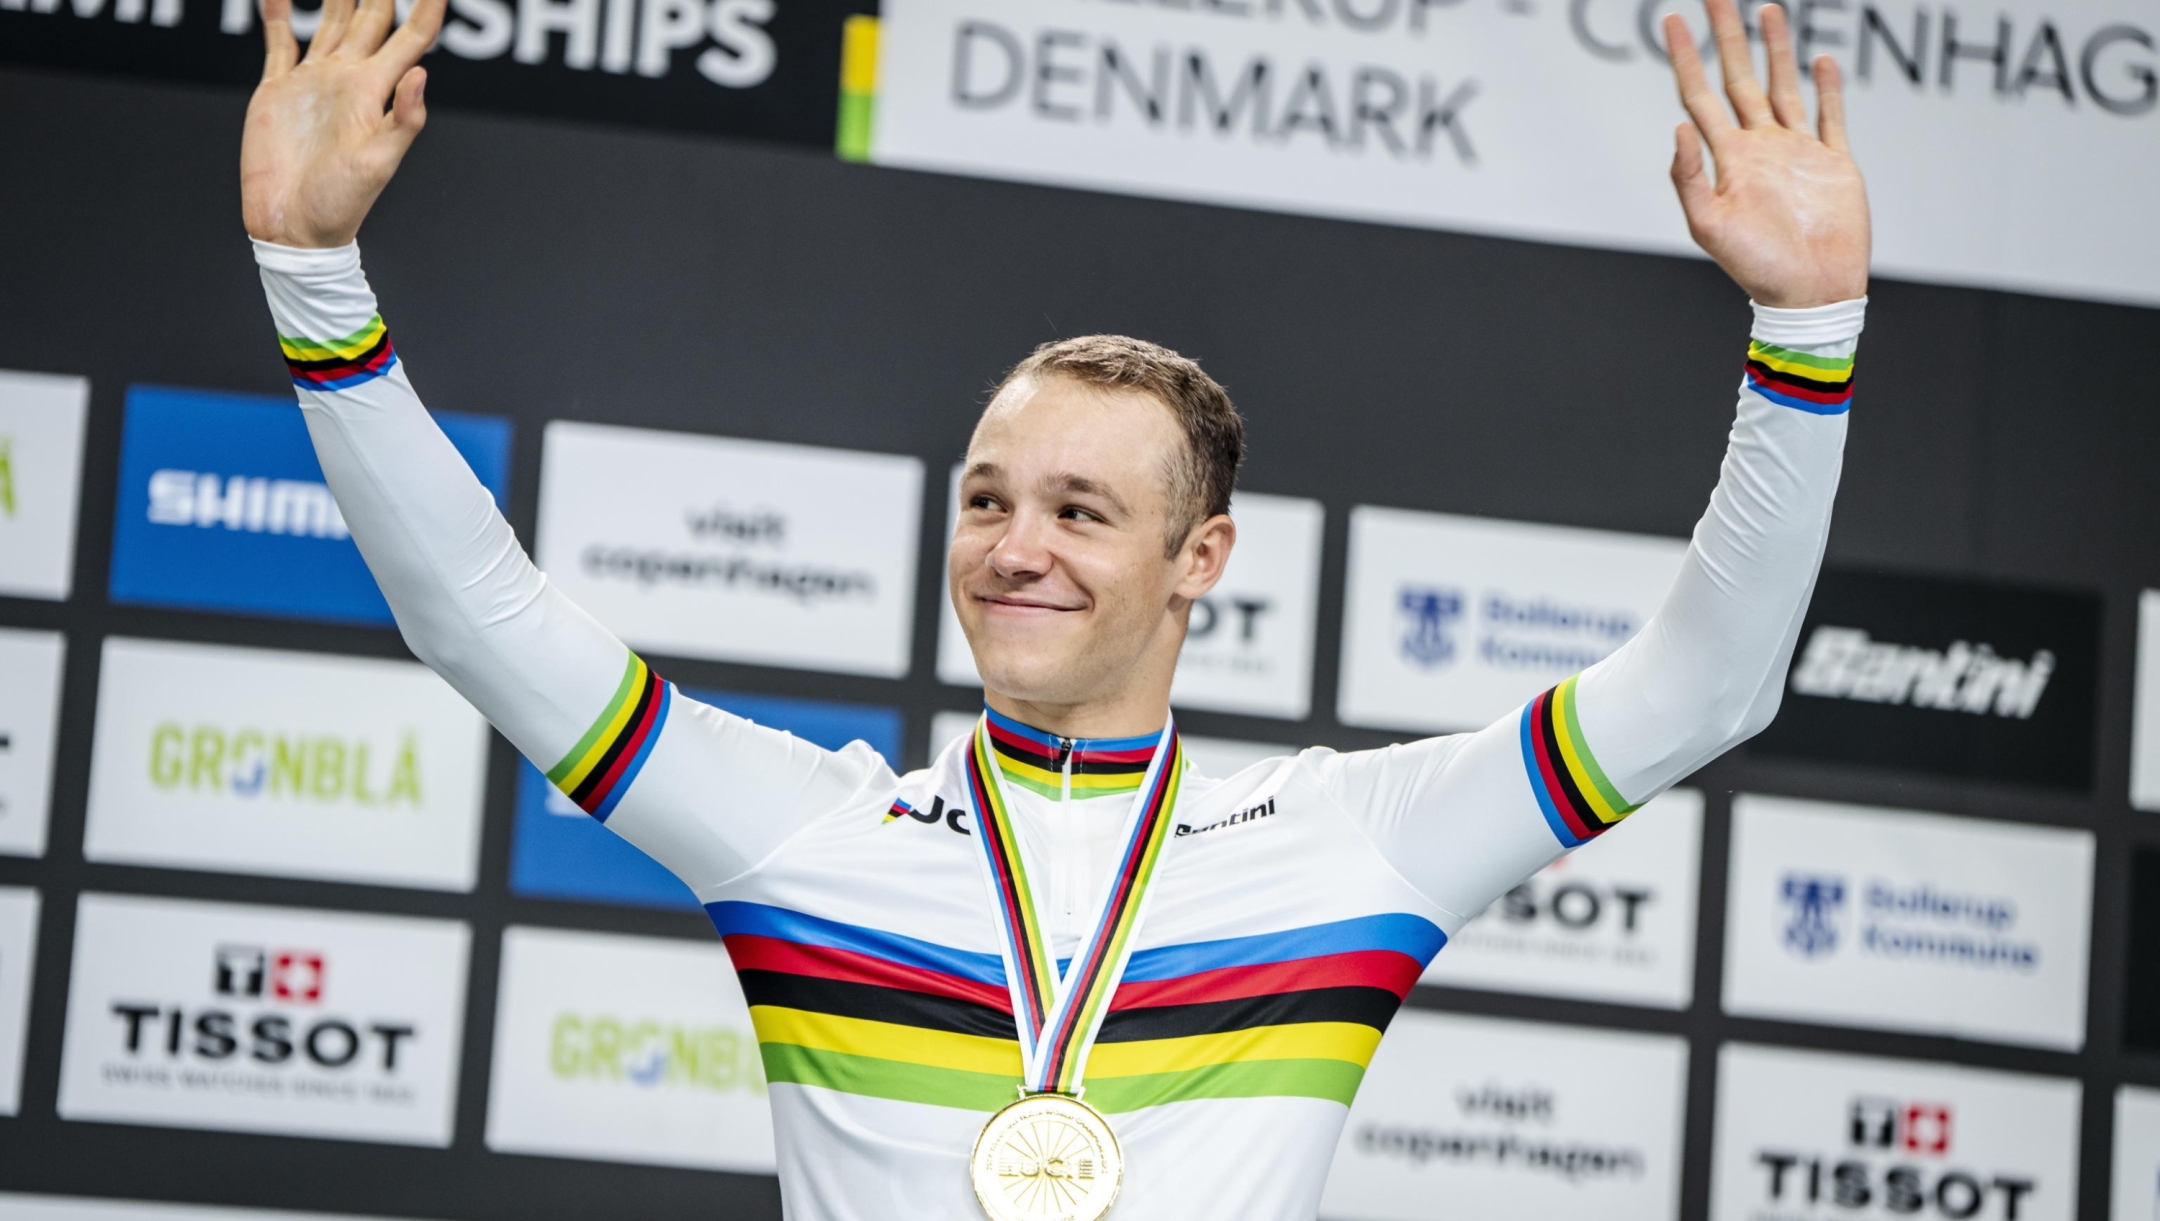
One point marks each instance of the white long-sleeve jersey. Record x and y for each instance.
(1291, 913)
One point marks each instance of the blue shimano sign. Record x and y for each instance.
(222, 507)
(557, 852)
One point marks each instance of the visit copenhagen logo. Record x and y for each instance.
(1905, 922)
(256, 764)
(754, 560)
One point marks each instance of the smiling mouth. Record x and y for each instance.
(1022, 605)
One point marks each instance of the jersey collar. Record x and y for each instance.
(1062, 768)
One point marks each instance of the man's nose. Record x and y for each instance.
(1022, 551)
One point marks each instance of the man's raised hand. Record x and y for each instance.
(1788, 216)
(325, 133)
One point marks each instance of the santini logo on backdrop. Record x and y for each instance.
(1845, 663)
(1961, 678)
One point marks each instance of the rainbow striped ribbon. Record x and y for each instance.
(1058, 1017)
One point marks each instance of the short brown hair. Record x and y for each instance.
(1200, 484)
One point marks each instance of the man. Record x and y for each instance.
(1183, 1016)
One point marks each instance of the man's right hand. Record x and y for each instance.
(325, 134)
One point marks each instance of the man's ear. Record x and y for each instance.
(1205, 554)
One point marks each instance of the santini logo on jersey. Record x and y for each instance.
(252, 505)
(1844, 663)
(1250, 814)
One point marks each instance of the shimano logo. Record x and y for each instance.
(250, 504)
(1844, 663)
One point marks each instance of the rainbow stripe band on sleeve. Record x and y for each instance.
(600, 768)
(1578, 801)
(340, 364)
(1820, 385)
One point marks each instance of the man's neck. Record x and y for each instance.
(1126, 718)
(1065, 768)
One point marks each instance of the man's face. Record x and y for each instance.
(1058, 569)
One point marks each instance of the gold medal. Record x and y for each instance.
(1047, 1157)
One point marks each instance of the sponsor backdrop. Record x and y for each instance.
(1446, 114)
(29, 709)
(284, 927)
(1806, 1135)
(1502, 1119)
(41, 441)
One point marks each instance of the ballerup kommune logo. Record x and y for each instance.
(1910, 922)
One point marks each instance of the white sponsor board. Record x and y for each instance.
(1214, 757)
(2136, 1191)
(2145, 716)
(15, 1207)
(41, 441)
(1612, 921)
(18, 957)
(697, 546)
(29, 710)
(1811, 1136)
(296, 764)
(264, 1019)
(1453, 622)
(1902, 921)
(1249, 644)
(626, 1049)
(1479, 1119)
(2005, 145)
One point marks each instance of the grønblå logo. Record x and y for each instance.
(1816, 901)
(1428, 638)
(222, 506)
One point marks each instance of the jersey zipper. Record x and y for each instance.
(1065, 756)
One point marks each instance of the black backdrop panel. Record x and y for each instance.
(1960, 678)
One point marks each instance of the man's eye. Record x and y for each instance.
(1076, 513)
(981, 500)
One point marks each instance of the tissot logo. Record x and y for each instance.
(292, 975)
(1909, 1127)
(262, 1019)
(1893, 1167)
(1961, 678)
(1811, 1136)
(215, 1033)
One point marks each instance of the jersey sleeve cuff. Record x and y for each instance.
(328, 330)
(1839, 322)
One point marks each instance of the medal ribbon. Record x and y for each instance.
(1058, 1017)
